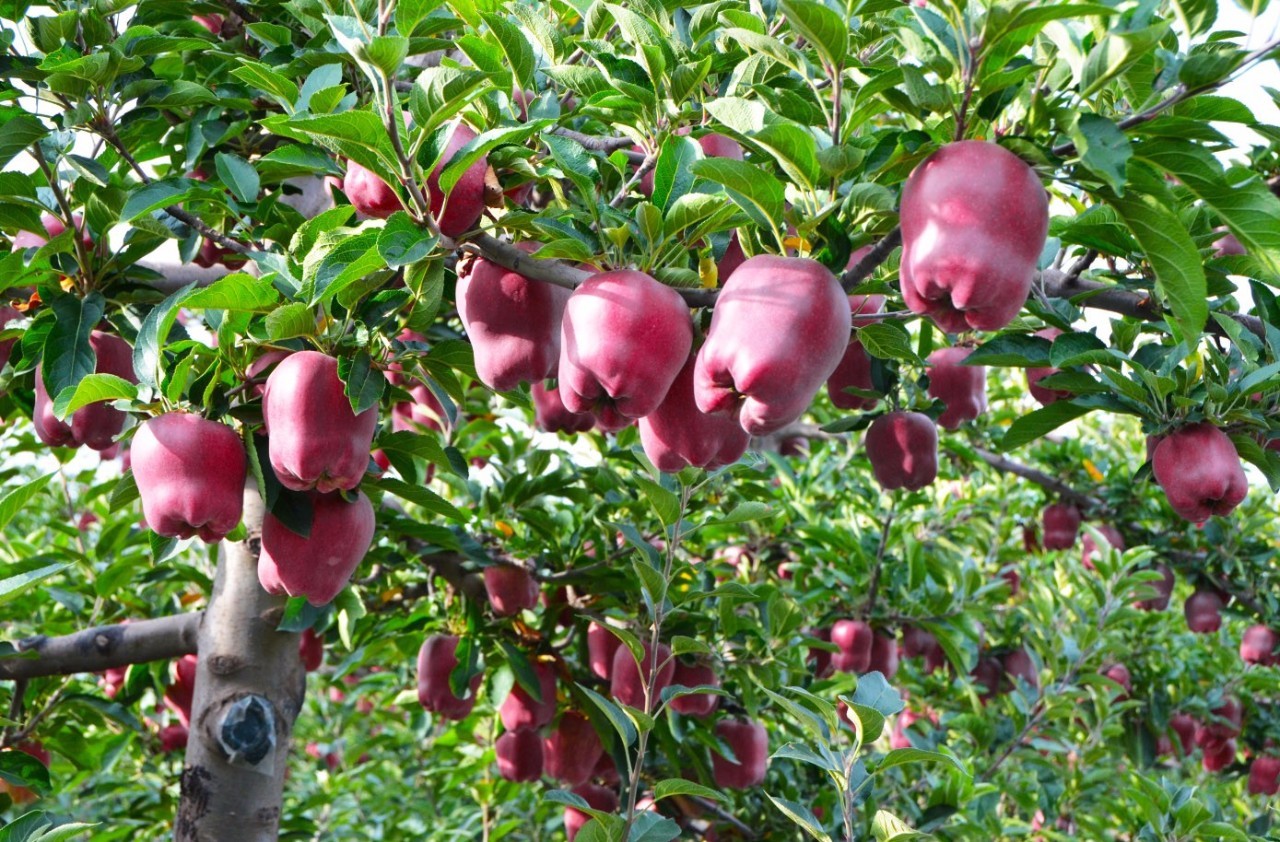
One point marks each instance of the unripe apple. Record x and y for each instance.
(1119, 673)
(884, 655)
(513, 323)
(677, 434)
(1264, 775)
(1200, 472)
(174, 738)
(511, 589)
(95, 426)
(319, 565)
(767, 377)
(1218, 755)
(602, 645)
(181, 691)
(628, 679)
(520, 756)
(695, 675)
(315, 440)
(624, 338)
(1184, 726)
(551, 416)
(598, 798)
(520, 711)
(572, 751)
(1061, 526)
(1088, 547)
(854, 368)
(368, 193)
(974, 221)
(749, 742)
(1258, 646)
(466, 200)
(1019, 665)
(437, 659)
(1203, 610)
(855, 638)
(961, 388)
(190, 474)
(903, 449)
(921, 643)
(1044, 395)
(311, 650)
(1223, 725)
(1163, 590)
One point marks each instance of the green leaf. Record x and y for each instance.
(666, 505)
(15, 500)
(1103, 148)
(362, 383)
(420, 496)
(401, 242)
(886, 827)
(1011, 350)
(290, 321)
(148, 356)
(351, 259)
(743, 513)
(621, 722)
(68, 356)
(903, 756)
(239, 292)
(1116, 53)
(1042, 421)
(481, 145)
(239, 176)
(18, 132)
(821, 27)
(158, 194)
(514, 46)
(887, 340)
(679, 786)
(14, 585)
(93, 388)
(672, 176)
(760, 195)
(801, 815)
(441, 92)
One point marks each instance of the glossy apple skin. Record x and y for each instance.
(368, 193)
(1264, 775)
(258, 368)
(190, 474)
(974, 220)
(572, 750)
(854, 368)
(1258, 646)
(767, 378)
(513, 323)
(749, 742)
(550, 414)
(520, 756)
(180, 693)
(1163, 588)
(1088, 547)
(677, 434)
(311, 650)
(626, 683)
(1200, 472)
(855, 638)
(95, 426)
(520, 711)
(1223, 725)
(598, 798)
(602, 645)
(720, 146)
(437, 659)
(903, 449)
(1184, 727)
(624, 338)
(734, 257)
(700, 705)
(511, 589)
(961, 388)
(1061, 526)
(466, 200)
(320, 565)
(1203, 611)
(315, 440)
(213, 23)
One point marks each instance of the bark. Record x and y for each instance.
(97, 649)
(249, 688)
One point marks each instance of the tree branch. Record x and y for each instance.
(97, 649)
(1082, 501)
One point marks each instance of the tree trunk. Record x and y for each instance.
(249, 688)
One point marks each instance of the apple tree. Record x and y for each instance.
(748, 419)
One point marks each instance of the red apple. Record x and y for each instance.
(719, 146)
(624, 338)
(1258, 646)
(628, 680)
(572, 751)
(974, 221)
(465, 202)
(7, 314)
(181, 691)
(854, 368)
(1184, 727)
(520, 711)
(903, 449)
(695, 675)
(1019, 665)
(1203, 610)
(1200, 472)
(95, 426)
(424, 413)
(1218, 755)
(258, 370)
(511, 589)
(1163, 590)
(767, 377)
(1088, 547)
(437, 659)
(1119, 673)
(311, 650)
(899, 738)
(598, 798)
(1223, 725)
(921, 643)
(174, 738)
(884, 654)
(1228, 245)
(52, 227)
(961, 388)
(520, 755)
(733, 258)
(315, 439)
(1061, 526)
(677, 434)
(190, 473)
(602, 645)
(368, 193)
(855, 638)
(1042, 394)
(513, 323)
(212, 254)
(749, 742)
(213, 23)
(1264, 775)
(319, 565)
(551, 416)
(988, 675)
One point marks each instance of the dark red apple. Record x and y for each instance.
(311, 650)
(437, 659)
(1184, 726)
(513, 323)
(213, 23)
(1228, 245)
(1043, 395)
(320, 565)
(174, 738)
(1258, 646)
(423, 413)
(733, 258)
(551, 416)
(598, 798)
(572, 751)
(181, 691)
(1061, 526)
(1018, 665)
(961, 388)
(855, 639)
(520, 711)
(884, 654)
(511, 589)
(520, 755)
(628, 679)
(465, 202)
(677, 434)
(190, 474)
(921, 643)
(1218, 755)
(903, 449)
(1088, 547)
(1264, 775)
(1200, 472)
(988, 677)
(602, 645)
(1163, 590)
(315, 439)
(1223, 725)
(974, 221)
(695, 675)
(749, 742)
(1119, 673)
(767, 377)
(1203, 610)
(7, 314)
(95, 426)
(854, 368)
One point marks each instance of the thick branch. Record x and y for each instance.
(879, 254)
(1083, 501)
(97, 649)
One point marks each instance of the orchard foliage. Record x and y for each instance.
(354, 173)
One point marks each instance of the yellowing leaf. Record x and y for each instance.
(1093, 471)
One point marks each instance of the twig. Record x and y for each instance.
(649, 162)
(879, 253)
